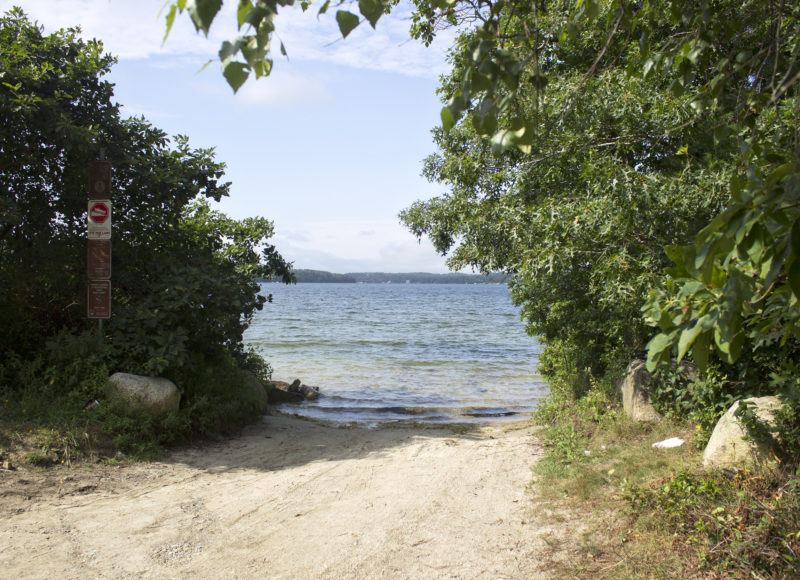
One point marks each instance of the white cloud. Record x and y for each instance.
(389, 248)
(135, 29)
(387, 48)
(284, 90)
(128, 29)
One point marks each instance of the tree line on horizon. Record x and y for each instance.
(321, 276)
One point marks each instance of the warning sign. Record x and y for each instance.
(99, 219)
(98, 299)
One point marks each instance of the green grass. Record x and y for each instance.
(656, 513)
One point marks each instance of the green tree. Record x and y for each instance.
(184, 276)
(731, 61)
(579, 218)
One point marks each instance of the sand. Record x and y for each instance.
(291, 498)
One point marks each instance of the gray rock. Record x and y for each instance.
(157, 396)
(277, 392)
(728, 448)
(310, 393)
(282, 392)
(635, 391)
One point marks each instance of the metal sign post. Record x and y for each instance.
(98, 250)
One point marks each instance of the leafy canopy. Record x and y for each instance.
(183, 275)
(729, 71)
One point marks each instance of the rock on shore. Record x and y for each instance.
(296, 392)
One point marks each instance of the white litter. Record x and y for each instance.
(668, 443)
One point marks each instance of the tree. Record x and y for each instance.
(735, 62)
(581, 217)
(184, 276)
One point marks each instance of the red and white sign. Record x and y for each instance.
(99, 221)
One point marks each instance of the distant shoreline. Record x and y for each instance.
(321, 276)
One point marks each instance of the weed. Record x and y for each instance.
(746, 524)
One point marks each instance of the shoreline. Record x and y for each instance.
(289, 498)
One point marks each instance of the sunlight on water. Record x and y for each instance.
(389, 352)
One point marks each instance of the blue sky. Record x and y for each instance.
(329, 147)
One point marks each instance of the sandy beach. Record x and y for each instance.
(291, 498)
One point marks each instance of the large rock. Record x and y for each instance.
(310, 393)
(278, 392)
(728, 448)
(157, 396)
(635, 391)
(282, 392)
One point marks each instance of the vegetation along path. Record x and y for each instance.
(290, 498)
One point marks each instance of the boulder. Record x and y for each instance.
(157, 396)
(277, 392)
(635, 391)
(310, 393)
(728, 447)
(282, 392)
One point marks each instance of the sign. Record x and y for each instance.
(99, 219)
(100, 179)
(98, 260)
(98, 299)
(98, 250)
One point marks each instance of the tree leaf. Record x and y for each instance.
(235, 73)
(687, 337)
(794, 277)
(660, 344)
(700, 350)
(245, 6)
(347, 22)
(202, 13)
(448, 120)
(372, 10)
(173, 10)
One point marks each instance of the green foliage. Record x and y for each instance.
(742, 525)
(50, 394)
(724, 77)
(184, 275)
(787, 423)
(581, 220)
(257, 18)
(579, 138)
(702, 401)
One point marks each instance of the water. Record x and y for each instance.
(398, 352)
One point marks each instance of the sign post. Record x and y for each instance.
(98, 250)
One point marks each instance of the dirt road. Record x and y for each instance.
(289, 498)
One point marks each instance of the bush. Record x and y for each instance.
(743, 525)
(184, 285)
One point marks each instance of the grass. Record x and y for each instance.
(656, 513)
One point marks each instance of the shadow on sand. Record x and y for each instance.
(282, 441)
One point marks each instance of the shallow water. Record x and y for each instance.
(400, 352)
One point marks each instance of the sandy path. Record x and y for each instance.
(288, 499)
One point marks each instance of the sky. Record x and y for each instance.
(329, 146)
